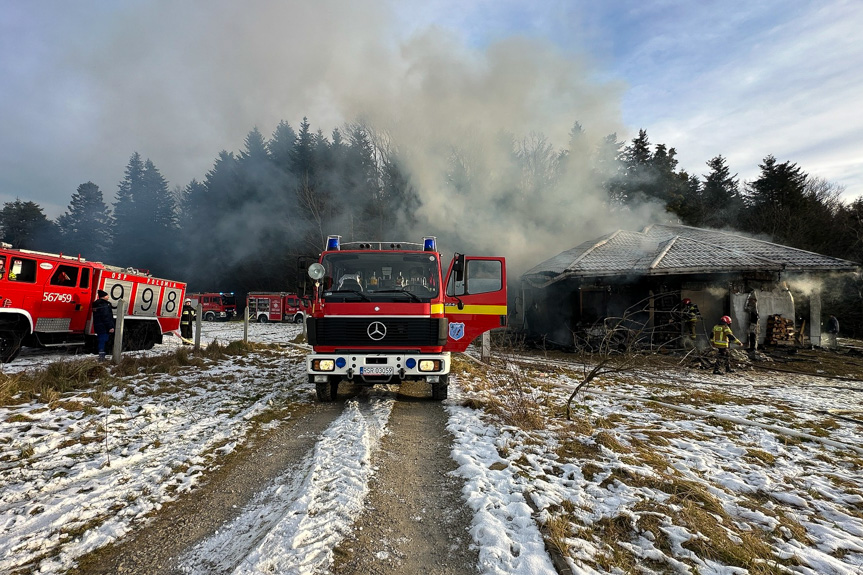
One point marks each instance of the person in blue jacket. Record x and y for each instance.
(103, 321)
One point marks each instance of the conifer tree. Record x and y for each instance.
(85, 228)
(24, 225)
(720, 202)
(125, 229)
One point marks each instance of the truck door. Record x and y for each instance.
(65, 298)
(475, 299)
(276, 310)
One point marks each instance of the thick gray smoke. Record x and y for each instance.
(187, 79)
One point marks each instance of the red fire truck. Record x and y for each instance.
(215, 305)
(269, 306)
(384, 313)
(45, 301)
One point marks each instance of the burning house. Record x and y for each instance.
(644, 276)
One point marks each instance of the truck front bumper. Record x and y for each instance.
(377, 367)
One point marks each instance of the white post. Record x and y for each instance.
(246, 325)
(198, 312)
(485, 355)
(118, 331)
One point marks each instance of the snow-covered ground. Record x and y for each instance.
(682, 472)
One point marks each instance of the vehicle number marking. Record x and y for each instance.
(147, 300)
(171, 302)
(376, 371)
(59, 297)
(118, 290)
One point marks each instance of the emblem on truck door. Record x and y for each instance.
(376, 330)
(456, 330)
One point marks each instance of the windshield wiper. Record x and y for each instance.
(363, 296)
(411, 295)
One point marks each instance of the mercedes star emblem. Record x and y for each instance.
(376, 330)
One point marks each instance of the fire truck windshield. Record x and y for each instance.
(380, 276)
(228, 300)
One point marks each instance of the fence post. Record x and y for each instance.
(246, 325)
(118, 331)
(485, 354)
(198, 311)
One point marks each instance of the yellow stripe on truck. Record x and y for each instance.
(477, 310)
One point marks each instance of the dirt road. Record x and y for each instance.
(413, 520)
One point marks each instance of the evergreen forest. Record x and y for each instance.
(245, 223)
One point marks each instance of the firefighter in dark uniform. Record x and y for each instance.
(690, 315)
(103, 321)
(187, 319)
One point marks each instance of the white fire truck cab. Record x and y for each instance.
(384, 313)
(45, 301)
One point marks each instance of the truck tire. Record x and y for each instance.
(298, 318)
(327, 392)
(440, 389)
(262, 318)
(10, 345)
(209, 316)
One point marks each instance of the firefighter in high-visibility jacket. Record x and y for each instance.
(721, 338)
(187, 319)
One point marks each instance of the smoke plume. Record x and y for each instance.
(188, 79)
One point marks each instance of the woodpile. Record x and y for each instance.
(779, 330)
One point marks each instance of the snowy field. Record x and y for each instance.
(680, 472)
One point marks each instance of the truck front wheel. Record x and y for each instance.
(328, 391)
(440, 388)
(10, 345)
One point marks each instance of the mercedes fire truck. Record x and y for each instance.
(385, 312)
(45, 301)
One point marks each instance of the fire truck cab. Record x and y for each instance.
(281, 307)
(215, 305)
(45, 301)
(385, 312)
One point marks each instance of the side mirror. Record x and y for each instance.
(458, 267)
(316, 271)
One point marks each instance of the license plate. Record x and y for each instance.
(376, 371)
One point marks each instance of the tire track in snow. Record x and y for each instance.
(293, 525)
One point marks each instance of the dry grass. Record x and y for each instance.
(50, 385)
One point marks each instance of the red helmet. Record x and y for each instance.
(686, 301)
(725, 319)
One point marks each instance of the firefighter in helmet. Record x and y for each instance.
(187, 319)
(721, 338)
(689, 315)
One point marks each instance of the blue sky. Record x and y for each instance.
(85, 84)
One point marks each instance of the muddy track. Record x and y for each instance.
(181, 524)
(414, 519)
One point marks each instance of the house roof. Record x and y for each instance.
(672, 249)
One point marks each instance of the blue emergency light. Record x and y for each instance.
(333, 243)
(429, 244)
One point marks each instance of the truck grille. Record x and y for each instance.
(377, 332)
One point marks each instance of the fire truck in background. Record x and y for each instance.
(215, 305)
(385, 313)
(45, 301)
(284, 307)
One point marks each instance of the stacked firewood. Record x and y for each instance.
(779, 330)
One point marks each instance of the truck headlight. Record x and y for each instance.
(323, 365)
(429, 365)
